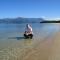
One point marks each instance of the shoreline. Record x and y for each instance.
(46, 50)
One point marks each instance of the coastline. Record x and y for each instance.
(53, 21)
(46, 50)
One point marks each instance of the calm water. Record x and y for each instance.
(11, 38)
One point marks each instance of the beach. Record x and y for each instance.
(44, 45)
(49, 49)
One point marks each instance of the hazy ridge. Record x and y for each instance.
(21, 20)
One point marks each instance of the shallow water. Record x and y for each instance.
(12, 42)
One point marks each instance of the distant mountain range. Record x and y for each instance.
(21, 20)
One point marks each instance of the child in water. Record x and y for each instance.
(28, 31)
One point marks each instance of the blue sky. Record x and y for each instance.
(49, 9)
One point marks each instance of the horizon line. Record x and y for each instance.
(31, 17)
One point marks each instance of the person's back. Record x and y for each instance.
(28, 31)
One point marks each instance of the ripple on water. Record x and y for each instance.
(11, 54)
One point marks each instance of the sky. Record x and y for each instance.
(48, 9)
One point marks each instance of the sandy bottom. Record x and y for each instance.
(47, 49)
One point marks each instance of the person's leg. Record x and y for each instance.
(26, 36)
(30, 35)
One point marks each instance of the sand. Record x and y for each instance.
(48, 49)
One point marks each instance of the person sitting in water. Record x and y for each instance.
(28, 31)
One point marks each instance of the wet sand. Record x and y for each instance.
(48, 49)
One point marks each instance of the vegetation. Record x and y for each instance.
(50, 21)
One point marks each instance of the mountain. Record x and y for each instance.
(21, 20)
